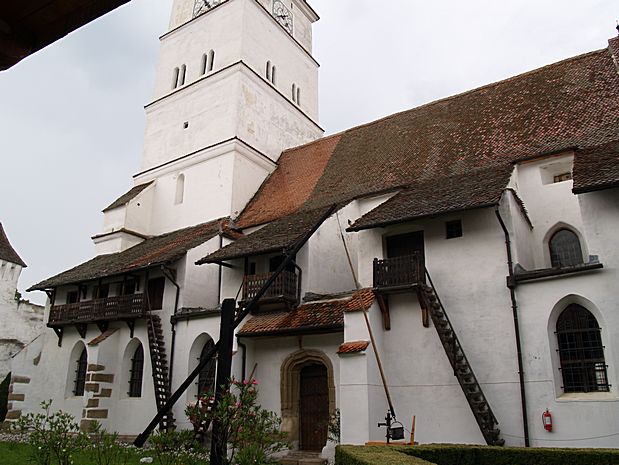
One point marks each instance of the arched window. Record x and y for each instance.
(294, 92)
(136, 372)
(298, 96)
(206, 378)
(175, 75)
(211, 60)
(180, 189)
(80, 373)
(182, 76)
(273, 71)
(565, 249)
(203, 65)
(581, 351)
(268, 71)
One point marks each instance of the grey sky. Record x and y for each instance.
(71, 116)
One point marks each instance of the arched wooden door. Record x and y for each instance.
(313, 408)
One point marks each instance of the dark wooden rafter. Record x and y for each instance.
(59, 333)
(82, 328)
(131, 325)
(383, 304)
(103, 326)
(425, 314)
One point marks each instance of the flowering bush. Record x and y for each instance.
(177, 448)
(252, 433)
(105, 449)
(54, 437)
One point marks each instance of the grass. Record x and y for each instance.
(12, 453)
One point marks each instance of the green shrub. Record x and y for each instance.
(472, 455)
(105, 449)
(484, 455)
(4, 395)
(374, 455)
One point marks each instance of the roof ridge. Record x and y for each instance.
(316, 141)
(476, 89)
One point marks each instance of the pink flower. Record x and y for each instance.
(245, 382)
(254, 382)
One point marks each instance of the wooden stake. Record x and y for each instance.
(413, 432)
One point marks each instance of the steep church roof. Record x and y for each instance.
(7, 252)
(596, 168)
(158, 250)
(570, 104)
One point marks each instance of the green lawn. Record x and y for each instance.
(12, 453)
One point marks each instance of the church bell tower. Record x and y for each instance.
(236, 84)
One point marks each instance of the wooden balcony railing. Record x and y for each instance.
(398, 272)
(98, 310)
(285, 287)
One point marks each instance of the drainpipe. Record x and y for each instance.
(221, 245)
(243, 357)
(511, 284)
(168, 274)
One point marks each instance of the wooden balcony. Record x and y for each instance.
(285, 290)
(125, 307)
(398, 273)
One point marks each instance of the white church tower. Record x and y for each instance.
(236, 84)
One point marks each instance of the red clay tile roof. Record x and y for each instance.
(154, 251)
(7, 252)
(274, 237)
(353, 347)
(323, 316)
(291, 183)
(596, 168)
(572, 103)
(481, 188)
(127, 197)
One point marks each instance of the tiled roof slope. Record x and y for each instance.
(127, 197)
(7, 252)
(572, 103)
(596, 168)
(153, 251)
(276, 236)
(480, 188)
(291, 183)
(311, 317)
(353, 347)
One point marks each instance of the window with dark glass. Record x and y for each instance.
(565, 249)
(581, 351)
(155, 293)
(274, 263)
(453, 229)
(101, 292)
(80, 374)
(206, 378)
(136, 373)
(72, 297)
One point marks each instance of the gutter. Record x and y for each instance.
(168, 274)
(511, 284)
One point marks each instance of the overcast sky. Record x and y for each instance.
(72, 119)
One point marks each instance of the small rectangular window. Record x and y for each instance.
(71, 297)
(453, 229)
(563, 177)
(252, 269)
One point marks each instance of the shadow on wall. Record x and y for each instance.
(4, 397)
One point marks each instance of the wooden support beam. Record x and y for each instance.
(131, 325)
(82, 328)
(383, 304)
(425, 314)
(59, 332)
(103, 326)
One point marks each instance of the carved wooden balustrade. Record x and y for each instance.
(399, 272)
(93, 311)
(286, 287)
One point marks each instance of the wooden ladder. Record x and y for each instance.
(159, 363)
(480, 407)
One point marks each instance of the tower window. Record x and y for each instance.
(268, 71)
(204, 64)
(294, 92)
(273, 72)
(211, 60)
(136, 372)
(80, 374)
(565, 249)
(581, 352)
(183, 73)
(180, 189)
(298, 96)
(175, 76)
(453, 229)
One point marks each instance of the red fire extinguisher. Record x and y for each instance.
(547, 420)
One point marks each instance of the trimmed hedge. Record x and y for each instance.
(375, 455)
(4, 395)
(472, 455)
(484, 455)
